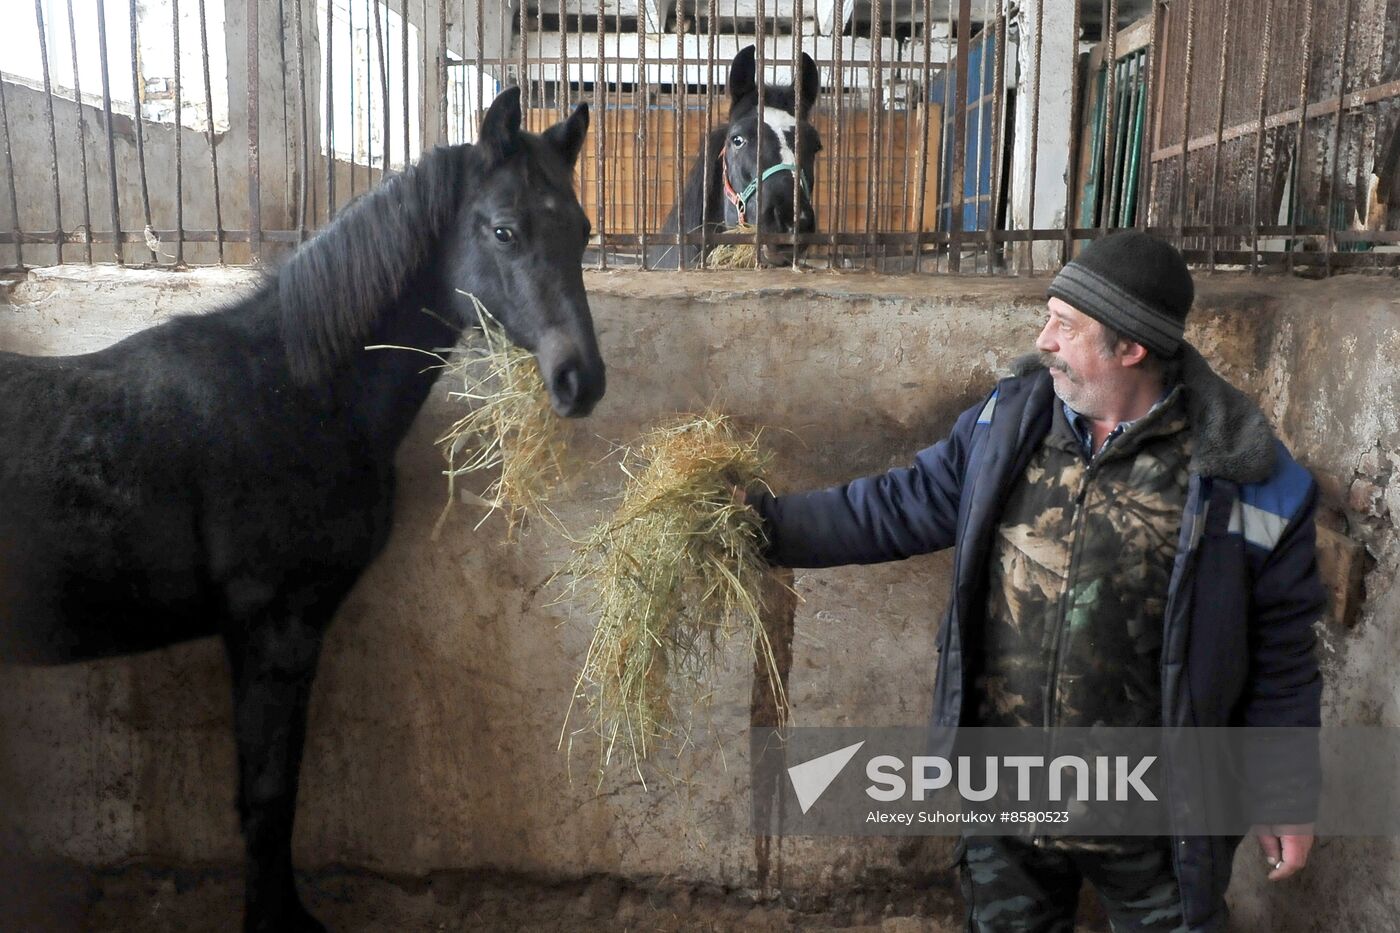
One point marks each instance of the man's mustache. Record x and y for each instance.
(1051, 361)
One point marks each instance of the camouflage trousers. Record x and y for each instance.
(1011, 885)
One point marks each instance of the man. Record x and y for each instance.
(1133, 548)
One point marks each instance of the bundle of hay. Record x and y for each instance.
(510, 426)
(675, 575)
(734, 255)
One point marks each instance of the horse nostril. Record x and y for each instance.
(565, 385)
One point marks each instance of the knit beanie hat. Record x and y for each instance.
(1134, 283)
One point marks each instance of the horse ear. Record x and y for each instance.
(741, 75)
(500, 128)
(811, 83)
(567, 135)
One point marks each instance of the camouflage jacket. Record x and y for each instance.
(1237, 641)
(1078, 576)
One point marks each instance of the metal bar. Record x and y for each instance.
(423, 67)
(1259, 136)
(1035, 115)
(678, 137)
(892, 238)
(209, 126)
(1331, 245)
(254, 155)
(48, 115)
(908, 121)
(1325, 108)
(330, 107)
(355, 98)
(1144, 196)
(111, 142)
(644, 155)
(760, 76)
(980, 106)
(481, 68)
(707, 159)
(1109, 153)
(960, 134)
(461, 114)
(837, 257)
(136, 119)
(380, 43)
(872, 194)
(877, 113)
(1186, 118)
(285, 131)
(10, 177)
(945, 138)
(1302, 124)
(521, 76)
(403, 69)
(600, 98)
(997, 130)
(1072, 175)
(797, 87)
(1309, 260)
(82, 137)
(921, 196)
(1219, 129)
(563, 81)
(179, 133)
(305, 128)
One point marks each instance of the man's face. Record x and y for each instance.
(1087, 375)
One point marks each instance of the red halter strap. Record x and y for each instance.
(729, 193)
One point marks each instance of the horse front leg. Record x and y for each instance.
(274, 662)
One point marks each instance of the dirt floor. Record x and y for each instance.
(151, 900)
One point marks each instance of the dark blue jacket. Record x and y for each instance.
(1238, 641)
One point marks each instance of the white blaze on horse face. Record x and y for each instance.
(782, 124)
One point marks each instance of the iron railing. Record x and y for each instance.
(940, 122)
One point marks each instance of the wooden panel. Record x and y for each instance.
(639, 186)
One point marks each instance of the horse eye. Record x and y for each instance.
(504, 235)
(736, 141)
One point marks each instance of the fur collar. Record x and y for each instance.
(1232, 438)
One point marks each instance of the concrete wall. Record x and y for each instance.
(436, 718)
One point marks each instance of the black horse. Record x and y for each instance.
(231, 473)
(737, 190)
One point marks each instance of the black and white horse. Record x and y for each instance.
(231, 474)
(738, 191)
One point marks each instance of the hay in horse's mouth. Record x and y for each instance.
(511, 426)
(675, 574)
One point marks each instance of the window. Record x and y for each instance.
(19, 50)
(464, 107)
(358, 47)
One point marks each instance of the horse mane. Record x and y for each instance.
(333, 289)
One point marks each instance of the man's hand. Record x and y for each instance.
(1285, 848)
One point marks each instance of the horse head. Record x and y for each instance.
(519, 249)
(498, 220)
(766, 163)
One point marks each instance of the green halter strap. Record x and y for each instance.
(740, 200)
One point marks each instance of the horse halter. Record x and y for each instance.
(739, 200)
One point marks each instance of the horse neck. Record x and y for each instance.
(386, 387)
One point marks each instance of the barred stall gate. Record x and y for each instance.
(958, 135)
